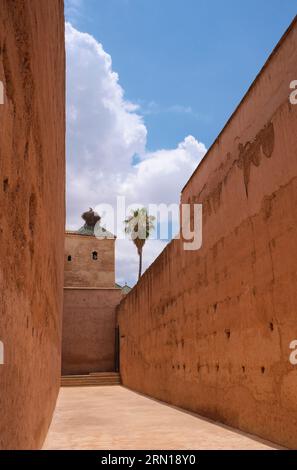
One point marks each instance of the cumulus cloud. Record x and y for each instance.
(104, 132)
(73, 9)
(160, 175)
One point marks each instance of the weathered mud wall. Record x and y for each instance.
(89, 322)
(32, 128)
(210, 330)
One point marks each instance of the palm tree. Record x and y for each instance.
(139, 225)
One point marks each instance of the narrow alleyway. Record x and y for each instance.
(114, 417)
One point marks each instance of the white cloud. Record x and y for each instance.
(161, 175)
(104, 132)
(73, 9)
(127, 259)
(154, 108)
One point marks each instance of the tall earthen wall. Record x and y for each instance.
(32, 174)
(210, 330)
(89, 322)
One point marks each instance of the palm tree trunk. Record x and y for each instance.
(140, 263)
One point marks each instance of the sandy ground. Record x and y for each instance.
(117, 418)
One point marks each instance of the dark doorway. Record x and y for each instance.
(117, 350)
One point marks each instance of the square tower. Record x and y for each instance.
(90, 299)
(90, 255)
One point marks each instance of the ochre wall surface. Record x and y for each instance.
(210, 330)
(82, 270)
(89, 322)
(32, 174)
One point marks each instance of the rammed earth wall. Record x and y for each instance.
(209, 330)
(32, 175)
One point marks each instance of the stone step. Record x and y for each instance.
(89, 384)
(104, 374)
(90, 377)
(91, 380)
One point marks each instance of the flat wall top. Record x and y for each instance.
(70, 233)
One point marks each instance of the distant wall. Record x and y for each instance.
(210, 330)
(89, 330)
(82, 270)
(32, 174)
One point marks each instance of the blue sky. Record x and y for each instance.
(150, 84)
(187, 63)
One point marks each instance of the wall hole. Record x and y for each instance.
(263, 370)
(5, 185)
(95, 255)
(69, 258)
(32, 212)
(271, 326)
(228, 333)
